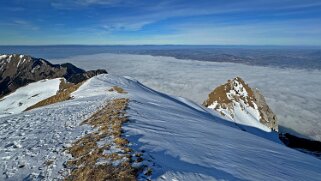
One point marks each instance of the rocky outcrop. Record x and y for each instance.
(302, 144)
(19, 70)
(237, 101)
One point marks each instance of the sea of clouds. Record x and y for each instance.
(294, 95)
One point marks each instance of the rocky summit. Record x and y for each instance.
(242, 104)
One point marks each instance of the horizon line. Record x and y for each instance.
(227, 45)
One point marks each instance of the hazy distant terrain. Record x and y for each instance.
(285, 57)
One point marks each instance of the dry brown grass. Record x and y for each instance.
(118, 89)
(121, 141)
(65, 90)
(86, 152)
(48, 162)
(219, 94)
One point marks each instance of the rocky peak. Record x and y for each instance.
(237, 101)
(19, 70)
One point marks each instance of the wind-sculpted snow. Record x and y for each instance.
(293, 95)
(188, 142)
(179, 139)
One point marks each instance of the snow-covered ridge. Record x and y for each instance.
(187, 142)
(31, 139)
(180, 140)
(19, 70)
(243, 105)
(28, 95)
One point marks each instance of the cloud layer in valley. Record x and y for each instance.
(294, 95)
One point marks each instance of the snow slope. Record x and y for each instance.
(186, 142)
(27, 96)
(242, 105)
(31, 139)
(180, 140)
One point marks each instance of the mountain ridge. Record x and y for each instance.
(225, 100)
(237, 101)
(19, 70)
(150, 134)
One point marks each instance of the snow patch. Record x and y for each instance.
(27, 96)
(3, 56)
(35, 68)
(18, 63)
(246, 115)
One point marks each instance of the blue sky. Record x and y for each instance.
(215, 22)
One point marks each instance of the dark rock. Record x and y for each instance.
(79, 77)
(302, 144)
(297, 142)
(19, 70)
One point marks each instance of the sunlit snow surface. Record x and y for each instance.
(293, 95)
(241, 113)
(27, 96)
(189, 143)
(30, 140)
(181, 139)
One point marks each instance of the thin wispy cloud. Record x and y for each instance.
(142, 19)
(125, 26)
(19, 23)
(74, 4)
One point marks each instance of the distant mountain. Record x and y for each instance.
(246, 106)
(19, 70)
(242, 104)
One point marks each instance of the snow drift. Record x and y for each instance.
(180, 140)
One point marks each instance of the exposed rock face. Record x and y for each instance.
(302, 144)
(237, 101)
(19, 70)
